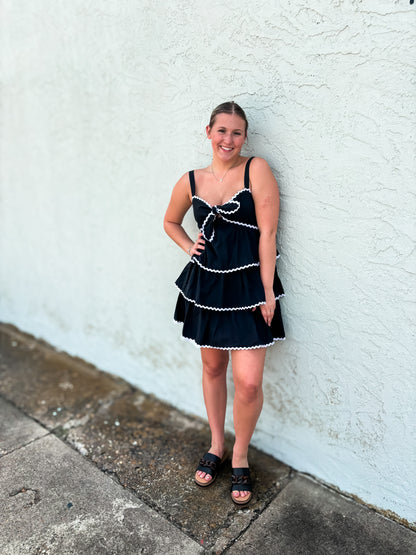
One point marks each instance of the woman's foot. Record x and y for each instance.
(241, 487)
(208, 467)
(240, 461)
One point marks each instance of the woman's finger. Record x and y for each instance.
(267, 313)
(198, 246)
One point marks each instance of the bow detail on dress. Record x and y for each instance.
(208, 229)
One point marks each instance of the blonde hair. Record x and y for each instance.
(228, 108)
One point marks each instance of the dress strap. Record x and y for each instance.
(246, 174)
(192, 182)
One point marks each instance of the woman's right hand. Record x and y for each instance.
(198, 246)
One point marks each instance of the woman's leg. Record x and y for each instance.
(214, 384)
(248, 366)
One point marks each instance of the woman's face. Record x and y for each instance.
(227, 136)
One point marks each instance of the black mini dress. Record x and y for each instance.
(220, 287)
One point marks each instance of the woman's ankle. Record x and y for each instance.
(240, 458)
(217, 449)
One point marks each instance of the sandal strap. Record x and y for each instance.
(241, 480)
(209, 464)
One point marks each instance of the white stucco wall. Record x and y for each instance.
(104, 107)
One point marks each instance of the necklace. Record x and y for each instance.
(221, 179)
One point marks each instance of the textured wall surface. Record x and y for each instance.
(104, 107)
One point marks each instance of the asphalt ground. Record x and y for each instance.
(90, 464)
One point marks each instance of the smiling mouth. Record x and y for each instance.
(226, 148)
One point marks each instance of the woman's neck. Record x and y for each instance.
(221, 166)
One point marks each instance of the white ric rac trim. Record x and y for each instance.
(225, 271)
(252, 265)
(199, 198)
(202, 230)
(225, 309)
(195, 344)
(239, 223)
(223, 212)
(216, 212)
(219, 205)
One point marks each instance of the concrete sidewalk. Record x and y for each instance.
(89, 464)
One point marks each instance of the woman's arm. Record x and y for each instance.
(266, 200)
(179, 204)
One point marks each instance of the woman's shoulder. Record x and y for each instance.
(182, 181)
(262, 179)
(183, 185)
(259, 167)
(258, 163)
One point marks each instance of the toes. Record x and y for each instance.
(240, 493)
(203, 475)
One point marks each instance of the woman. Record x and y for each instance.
(229, 289)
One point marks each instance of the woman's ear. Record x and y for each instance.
(208, 131)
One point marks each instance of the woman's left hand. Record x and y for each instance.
(267, 310)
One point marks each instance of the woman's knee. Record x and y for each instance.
(214, 368)
(248, 390)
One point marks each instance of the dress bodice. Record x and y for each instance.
(238, 210)
(230, 232)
